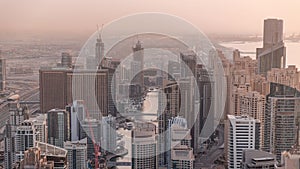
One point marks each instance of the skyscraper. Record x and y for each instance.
(182, 157)
(144, 146)
(25, 138)
(58, 121)
(40, 124)
(273, 53)
(168, 107)
(109, 134)
(137, 65)
(89, 128)
(179, 152)
(99, 49)
(53, 153)
(242, 134)
(57, 89)
(2, 73)
(17, 115)
(188, 63)
(77, 115)
(281, 119)
(77, 154)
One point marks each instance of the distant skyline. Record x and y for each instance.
(211, 16)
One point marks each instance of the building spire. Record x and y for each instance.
(99, 33)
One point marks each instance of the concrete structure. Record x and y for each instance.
(58, 121)
(137, 66)
(90, 129)
(33, 159)
(77, 111)
(2, 73)
(291, 159)
(182, 157)
(179, 144)
(56, 89)
(40, 124)
(252, 103)
(77, 154)
(25, 138)
(66, 60)
(109, 134)
(53, 153)
(289, 76)
(256, 159)
(144, 146)
(17, 115)
(281, 119)
(188, 63)
(242, 134)
(273, 53)
(169, 95)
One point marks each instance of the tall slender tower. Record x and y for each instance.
(58, 127)
(25, 138)
(99, 50)
(273, 53)
(281, 119)
(144, 146)
(242, 135)
(17, 116)
(137, 65)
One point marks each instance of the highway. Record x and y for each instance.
(207, 160)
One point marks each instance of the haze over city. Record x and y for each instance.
(81, 17)
(140, 84)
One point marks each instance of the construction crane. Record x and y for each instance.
(96, 146)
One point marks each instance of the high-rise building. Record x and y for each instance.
(60, 86)
(137, 65)
(40, 124)
(256, 159)
(205, 99)
(144, 146)
(77, 115)
(113, 78)
(90, 129)
(273, 53)
(77, 154)
(2, 73)
(242, 134)
(188, 63)
(168, 107)
(174, 69)
(33, 159)
(66, 60)
(182, 157)
(179, 144)
(53, 153)
(289, 76)
(99, 49)
(25, 138)
(109, 134)
(291, 158)
(252, 104)
(17, 115)
(58, 121)
(281, 119)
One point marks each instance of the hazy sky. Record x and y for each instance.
(212, 16)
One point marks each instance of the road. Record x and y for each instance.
(207, 160)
